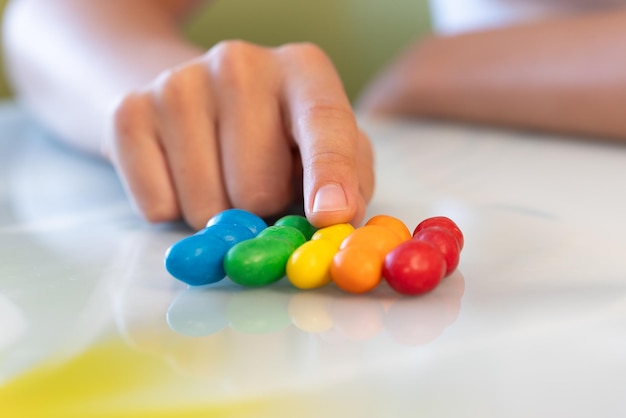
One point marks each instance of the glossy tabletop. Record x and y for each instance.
(532, 324)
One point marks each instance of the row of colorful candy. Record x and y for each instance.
(240, 245)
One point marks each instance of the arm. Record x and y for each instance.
(566, 75)
(71, 61)
(190, 132)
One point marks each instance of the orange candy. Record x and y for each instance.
(377, 237)
(357, 268)
(395, 224)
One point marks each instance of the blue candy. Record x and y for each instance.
(239, 217)
(198, 259)
(231, 234)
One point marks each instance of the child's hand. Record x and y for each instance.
(240, 126)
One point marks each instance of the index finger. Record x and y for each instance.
(322, 123)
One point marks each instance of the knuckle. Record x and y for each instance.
(304, 50)
(338, 121)
(127, 113)
(325, 112)
(232, 62)
(330, 159)
(177, 84)
(263, 200)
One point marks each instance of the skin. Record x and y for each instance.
(191, 132)
(564, 75)
(185, 128)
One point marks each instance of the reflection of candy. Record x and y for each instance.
(309, 265)
(258, 262)
(197, 313)
(197, 259)
(200, 312)
(417, 321)
(258, 311)
(357, 318)
(310, 312)
(298, 222)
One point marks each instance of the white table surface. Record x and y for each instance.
(532, 324)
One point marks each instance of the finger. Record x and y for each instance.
(365, 167)
(365, 172)
(138, 158)
(324, 127)
(187, 131)
(256, 155)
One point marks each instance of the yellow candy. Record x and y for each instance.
(308, 266)
(335, 233)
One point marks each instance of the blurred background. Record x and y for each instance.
(359, 35)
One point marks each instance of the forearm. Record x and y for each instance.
(565, 76)
(71, 60)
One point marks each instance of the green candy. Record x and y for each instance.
(298, 222)
(289, 233)
(258, 262)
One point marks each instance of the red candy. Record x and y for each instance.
(443, 222)
(445, 242)
(414, 267)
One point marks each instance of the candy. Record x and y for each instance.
(240, 245)
(197, 259)
(357, 268)
(309, 265)
(445, 242)
(298, 222)
(390, 222)
(377, 237)
(258, 262)
(231, 234)
(414, 267)
(239, 217)
(443, 222)
(335, 233)
(288, 233)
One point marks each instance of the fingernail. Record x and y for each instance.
(330, 197)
